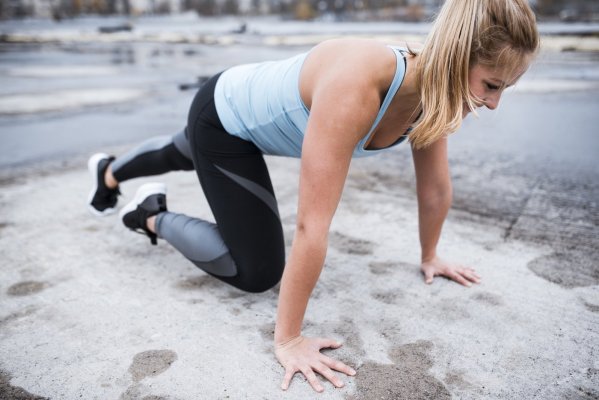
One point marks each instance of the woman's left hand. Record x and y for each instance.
(438, 267)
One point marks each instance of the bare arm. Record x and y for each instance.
(342, 110)
(434, 191)
(433, 187)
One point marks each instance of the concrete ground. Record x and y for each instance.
(90, 310)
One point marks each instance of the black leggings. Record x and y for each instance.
(246, 247)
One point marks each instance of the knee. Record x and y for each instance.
(263, 279)
(176, 160)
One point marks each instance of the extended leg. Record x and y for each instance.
(154, 156)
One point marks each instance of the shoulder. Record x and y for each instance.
(353, 64)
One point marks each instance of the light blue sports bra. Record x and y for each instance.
(261, 103)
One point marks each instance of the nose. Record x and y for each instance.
(492, 102)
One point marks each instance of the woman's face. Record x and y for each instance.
(488, 83)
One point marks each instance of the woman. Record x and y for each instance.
(345, 98)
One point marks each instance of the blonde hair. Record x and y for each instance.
(497, 33)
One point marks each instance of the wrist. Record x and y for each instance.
(288, 343)
(282, 338)
(428, 256)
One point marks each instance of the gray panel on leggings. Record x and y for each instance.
(153, 144)
(222, 266)
(253, 188)
(198, 240)
(182, 144)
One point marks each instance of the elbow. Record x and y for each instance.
(438, 198)
(312, 233)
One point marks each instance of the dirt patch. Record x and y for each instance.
(26, 288)
(592, 307)
(16, 315)
(199, 282)
(457, 380)
(452, 310)
(10, 392)
(382, 268)
(488, 298)
(387, 297)
(352, 342)
(350, 245)
(267, 331)
(151, 363)
(569, 270)
(4, 225)
(406, 378)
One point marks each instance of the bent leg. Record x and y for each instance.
(210, 253)
(155, 156)
(246, 247)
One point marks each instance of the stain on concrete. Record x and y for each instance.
(352, 341)
(151, 363)
(132, 393)
(407, 378)
(235, 294)
(26, 288)
(456, 380)
(581, 393)
(4, 225)
(569, 270)
(350, 245)
(91, 228)
(488, 298)
(199, 282)
(592, 307)
(9, 180)
(382, 268)
(8, 391)
(388, 267)
(18, 314)
(387, 297)
(267, 331)
(452, 310)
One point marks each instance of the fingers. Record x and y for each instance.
(327, 343)
(337, 365)
(459, 278)
(325, 371)
(311, 377)
(463, 275)
(428, 276)
(289, 372)
(470, 274)
(307, 359)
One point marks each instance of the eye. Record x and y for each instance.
(490, 86)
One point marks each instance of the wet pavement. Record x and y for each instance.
(86, 313)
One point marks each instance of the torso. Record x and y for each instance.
(403, 109)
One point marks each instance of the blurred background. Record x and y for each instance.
(354, 10)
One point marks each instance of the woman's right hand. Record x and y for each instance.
(302, 354)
